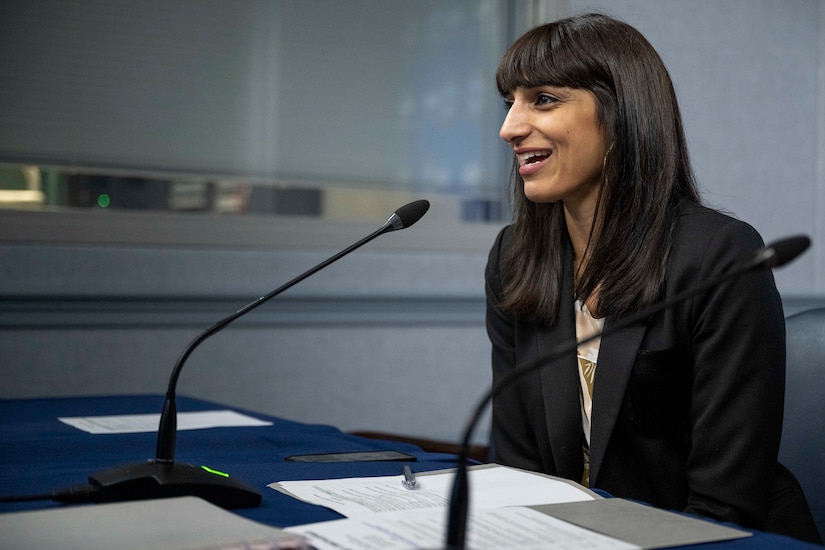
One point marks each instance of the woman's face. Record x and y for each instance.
(559, 144)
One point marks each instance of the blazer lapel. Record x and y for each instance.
(617, 356)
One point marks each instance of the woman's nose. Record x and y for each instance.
(515, 125)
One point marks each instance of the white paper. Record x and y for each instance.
(515, 527)
(134, 423)
(503, 486)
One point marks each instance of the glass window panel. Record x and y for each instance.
(252, 106)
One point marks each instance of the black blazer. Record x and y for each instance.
(687, 408)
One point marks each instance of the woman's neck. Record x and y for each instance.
(581, 232)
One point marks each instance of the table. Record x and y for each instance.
(40, 454)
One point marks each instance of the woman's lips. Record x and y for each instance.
(532, 161)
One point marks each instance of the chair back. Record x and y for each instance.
(803, 435)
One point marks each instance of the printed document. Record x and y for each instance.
(502, 486)
(490, 529)
(383, 514)
(135, 423)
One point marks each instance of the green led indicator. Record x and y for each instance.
(104, 200)
(216, 472)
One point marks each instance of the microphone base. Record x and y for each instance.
(151, 479)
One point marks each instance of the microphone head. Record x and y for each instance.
(407, 215)
(786, 250)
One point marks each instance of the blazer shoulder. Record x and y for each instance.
(703, 232)
(498, 252)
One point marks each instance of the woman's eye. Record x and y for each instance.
(546, 99)
(507, 104)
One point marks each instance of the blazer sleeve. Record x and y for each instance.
(514, 441)
(738, 347)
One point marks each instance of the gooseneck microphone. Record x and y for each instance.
(162, 477)
(774, 255)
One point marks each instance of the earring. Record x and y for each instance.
(604, 161)
(604, 164)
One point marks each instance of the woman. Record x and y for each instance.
(683, 411)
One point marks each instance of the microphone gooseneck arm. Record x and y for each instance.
(162, 477)
(402, 218)
(777, 254)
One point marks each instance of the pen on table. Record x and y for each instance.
(409, 478)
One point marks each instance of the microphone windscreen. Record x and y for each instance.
(412, 212)
(786, 250)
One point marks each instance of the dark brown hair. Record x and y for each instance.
(646, 172)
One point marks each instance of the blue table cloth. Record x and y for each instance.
(40, 454)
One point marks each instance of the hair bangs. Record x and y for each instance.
(544, 56)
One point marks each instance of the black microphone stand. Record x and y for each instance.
(775, 255)
(162, 477)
